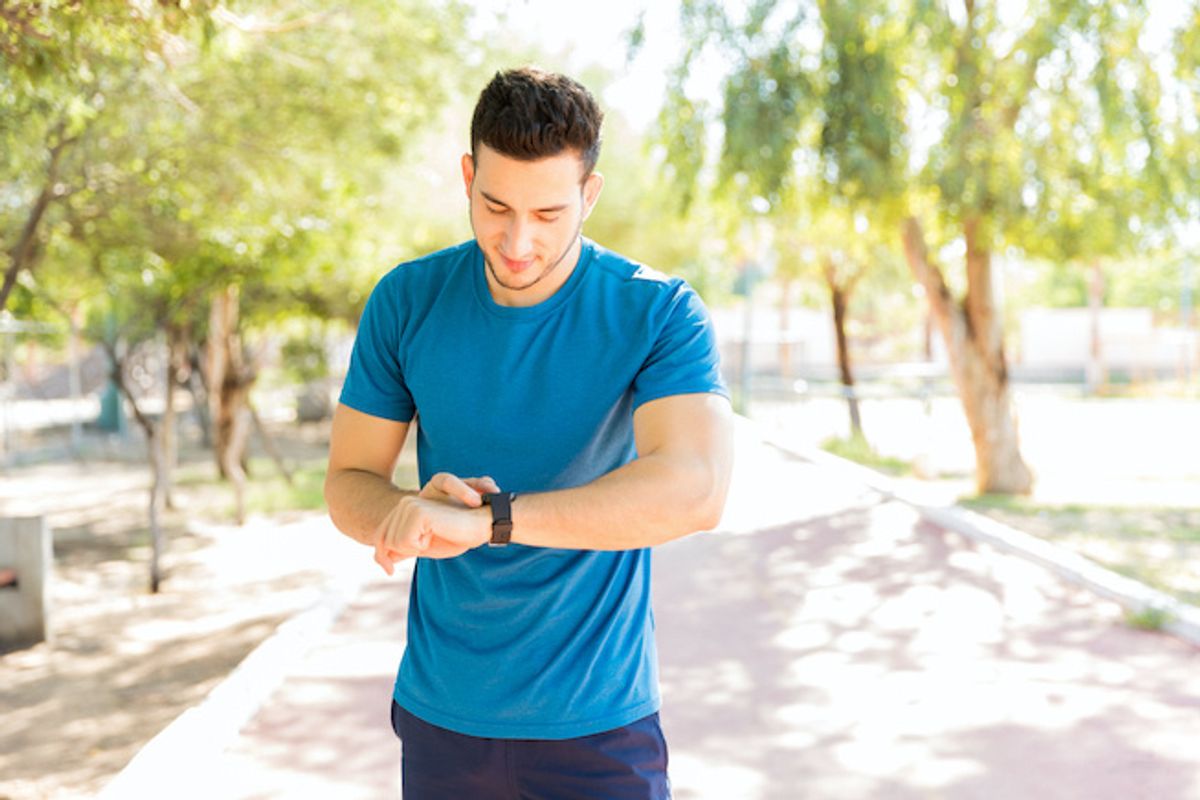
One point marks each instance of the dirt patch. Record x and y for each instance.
(124, 663)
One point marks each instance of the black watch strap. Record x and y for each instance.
(501, 503)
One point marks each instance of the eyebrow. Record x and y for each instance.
(546, 210)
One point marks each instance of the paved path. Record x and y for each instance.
(826, 643)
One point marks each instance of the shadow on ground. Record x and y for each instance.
(295, 746)
(866, 654)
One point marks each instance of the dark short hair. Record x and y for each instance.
(530, 114)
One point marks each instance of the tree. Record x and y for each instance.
(811, 129)
(63, 64)
(970, 85)
(1097, 186)
(237, 181)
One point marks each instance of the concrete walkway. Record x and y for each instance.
(826, 643)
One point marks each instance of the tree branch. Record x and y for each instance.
(20, 256)
(928, 275)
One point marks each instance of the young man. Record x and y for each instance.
(571, 417)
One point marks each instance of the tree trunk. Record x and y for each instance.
(839, 294)
(157, 469)
(158, 497)
(269, 444)
(1097, 373)
(229, 381)
(236, 433)
(198, 388)
(176, 358)
(74, 379)
(974, 342)
(927, 336)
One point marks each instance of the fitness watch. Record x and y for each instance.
(501, 503)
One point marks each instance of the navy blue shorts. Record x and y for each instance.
(437, 764)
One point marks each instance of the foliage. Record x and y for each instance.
(1151, 280)
(304, 356)
(255, 154)
(636, 217)
(1097, 183)
(1048, 127)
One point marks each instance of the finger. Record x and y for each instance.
(383, 559)
(485, 484)
(431, 492)
(457, 488)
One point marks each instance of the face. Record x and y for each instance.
(527, 216)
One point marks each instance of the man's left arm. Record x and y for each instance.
(677, 485)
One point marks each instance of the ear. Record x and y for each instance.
(468, 171)
(591, 192)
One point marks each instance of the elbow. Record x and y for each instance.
(331, 505)
(713, 518)
(707, 508)
(327, 491)
(711, 512)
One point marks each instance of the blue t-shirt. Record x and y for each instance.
(529, 642)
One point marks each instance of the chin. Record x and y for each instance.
(509, 279)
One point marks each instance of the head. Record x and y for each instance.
(531, 179)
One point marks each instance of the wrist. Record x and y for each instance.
(381, 530)
(482, 518)
(500, 505)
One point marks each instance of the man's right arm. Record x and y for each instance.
(363, 451)
(363, 502)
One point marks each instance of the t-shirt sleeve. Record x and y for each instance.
(375, 382)
(685, 358)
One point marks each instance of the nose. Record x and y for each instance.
(518, 243)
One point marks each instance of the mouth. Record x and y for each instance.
(516, 266)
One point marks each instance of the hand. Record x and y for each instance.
(434, 523)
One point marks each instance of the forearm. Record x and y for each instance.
(647, 502)
(359, 501)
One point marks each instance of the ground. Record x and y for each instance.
(1116, 479)
(123, 662)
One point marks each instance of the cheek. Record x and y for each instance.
(564, 228)
(485, 225)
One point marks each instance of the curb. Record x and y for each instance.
(1179, 619)
(181, 760)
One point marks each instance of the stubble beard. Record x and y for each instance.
(550, 268)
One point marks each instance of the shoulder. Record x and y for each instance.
(635, 281)
(657, 301)
(428, 271)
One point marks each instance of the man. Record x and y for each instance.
(571, 416)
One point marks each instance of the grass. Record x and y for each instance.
(856, 448)
(1159, 547)
(270, 493)
(1167, 524)
(267, 491)
(1148, 619)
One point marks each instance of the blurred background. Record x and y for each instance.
(956, 241)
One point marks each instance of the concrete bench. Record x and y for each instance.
(25, 561)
